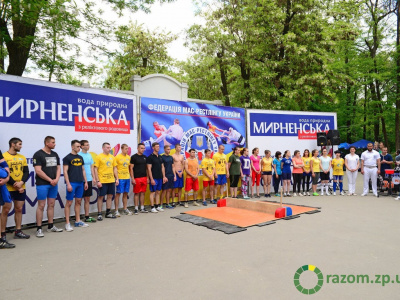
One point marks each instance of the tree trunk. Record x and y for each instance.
(245, 73)
(224, 80)
(365, 112)
(397, 111)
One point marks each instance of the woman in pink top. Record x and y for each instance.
(255, 171)
(297, 172)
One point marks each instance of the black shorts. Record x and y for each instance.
(267, 173)
(324, 176)
(107, 189)
(89, 191)
(17, 196)
(234, 179)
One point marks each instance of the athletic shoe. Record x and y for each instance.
(376, 195)
(144, 211)
(81, 224)
(110, 216)
(397, 199)
(328, 194)
(39, 233)
(160, 208)
(363, 195)
(301, 195)
(90, 220)
(169, 206)
(136, 212)
(284, 195)
(195, 203)
(277, 195)
(186, 204)
(181, 204)
(354, 194)
(173, 205)
(215, 201)
(205, 203)
(116, 214)
(349, 194)
(334, 193)
(289, 195)
(128, 212)
(154, 210)
(258, 196)
(5, 245)
(294, 195)
(342, 193)
(246, 197)
(21, 235)
(68, 227)
(308, 194)
(315, 194)
(322, 193)
(99, 218)
(54, 229)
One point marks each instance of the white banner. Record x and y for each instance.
(33, 109)
(286, 130)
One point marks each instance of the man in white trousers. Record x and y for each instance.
(370, 168)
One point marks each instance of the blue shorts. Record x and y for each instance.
(4, 195)
(221, 179)
(46, 191)
(77, 191)
(338, 177)
(107, 189)
(286, 176)
(179, 182)
(169, 184)
(156, 187)
(123, 186)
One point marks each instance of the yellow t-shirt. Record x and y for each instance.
(307, 164)
(123, 166)
(105, 167)
(209, 165)
(220, 163)
(338, 166)
(316, 162)
(267, 164)
(16, 163)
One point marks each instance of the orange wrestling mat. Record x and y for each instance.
(246, 213)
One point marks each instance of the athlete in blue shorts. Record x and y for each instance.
(75, 178)
(5, 200)
(171, 177)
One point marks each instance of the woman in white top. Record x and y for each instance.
(325, 171)
(352, 163)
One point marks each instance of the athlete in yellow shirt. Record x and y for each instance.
(221, 169)
(123, 161)
(106, 174)
(208, 167)
(337, 166)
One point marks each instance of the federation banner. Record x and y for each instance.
(286, 130)
(192, 125)
(33, 109)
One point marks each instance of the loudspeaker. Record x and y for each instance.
(334, 137)
(321, 139)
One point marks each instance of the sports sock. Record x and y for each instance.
(326, 188)
(322, 187)
(39, 227)
(50, 225)
(137, 207)
(3, 235)
(108, 211)
(334, 186)
(142, 207)
(341, 186)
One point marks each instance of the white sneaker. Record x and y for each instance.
(160, 208)
(363, 195)
(301, 195)
(342, 193)
(154, 210)
(54, 229)
(294, 195)
(308, 194)
(68, 227)
(128, 212)
(195, 203)
(354, 194)
(328, 194)
(376, 195)
(334, 193)
(349, 194)
(39, 233)
(322, 193)
(117, 214)
(397, 199)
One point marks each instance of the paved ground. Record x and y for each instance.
(155, 257)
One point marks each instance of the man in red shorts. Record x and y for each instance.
(192, 180)
(138, 170)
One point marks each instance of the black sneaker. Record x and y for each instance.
(135, 212)
(5, 245)
(144, 211)
(110, 216)
(99, 217)
(21, 235)
(181, 204)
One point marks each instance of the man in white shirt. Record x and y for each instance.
(370, 168)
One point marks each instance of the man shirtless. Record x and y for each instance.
(178, 169)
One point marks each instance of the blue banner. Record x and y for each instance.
(192, 125)
(87, 112)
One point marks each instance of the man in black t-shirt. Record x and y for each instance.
(75, 178)
(171, 177)
(138, 171)
(156, 173)
(48, 172)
